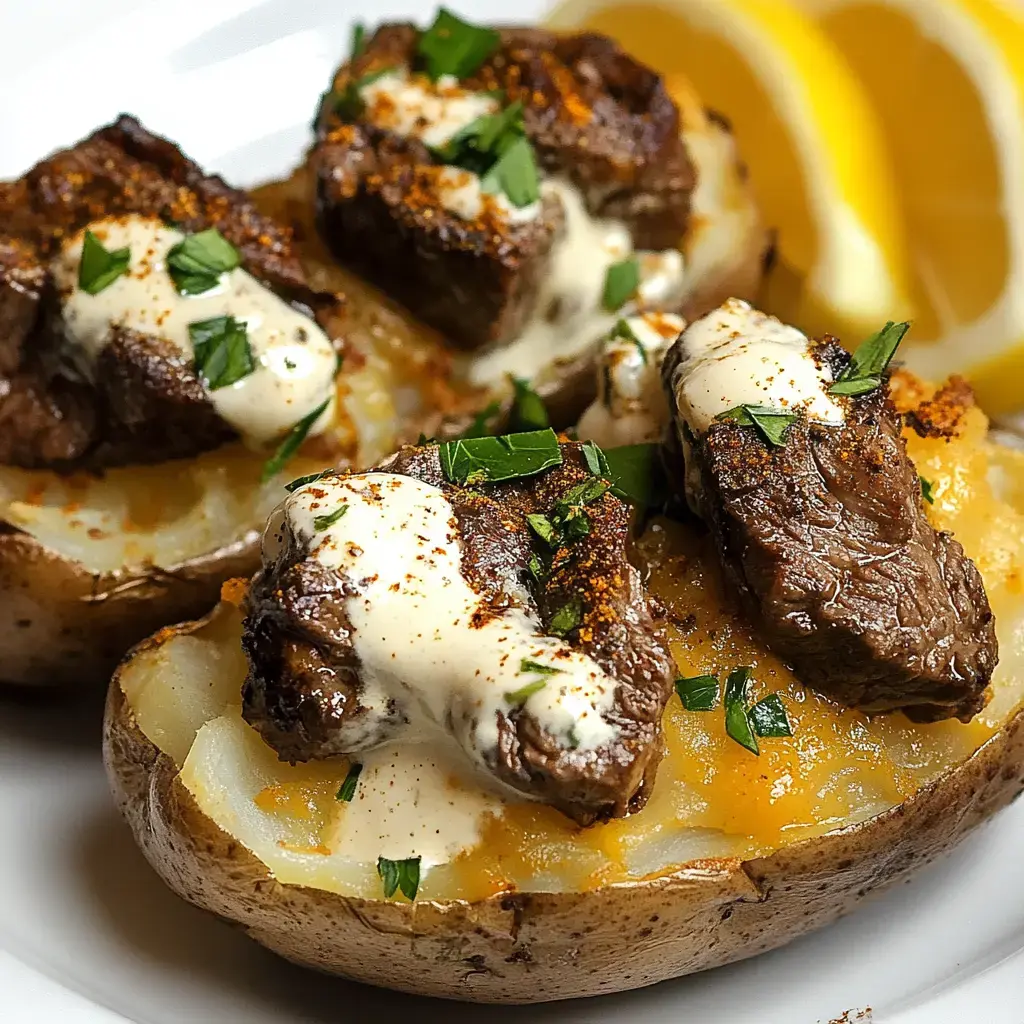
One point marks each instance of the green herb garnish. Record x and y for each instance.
(524, 693)
(514, 174)
(637, 474)
(769, 718)
(622, 331)
(864, 371)
(544, 528)
(536, 568)
(926, 490)
(348, 787)
(358, 40)
(528, 410)
(698, 693)
(399, 874)
(452, 46)
(595, 459)
(321, 523)
(294, 438)
(535, 666)
(100, 267)
(585, 493)
(620, 282)
(348, 103)
(196, 263)
(478, 145)
(737, 724)
(222, 353)
(508, 457)
(566, 618)
(303, 480)
(479, 427)
(771, 424)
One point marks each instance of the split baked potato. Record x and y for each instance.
(732, 855)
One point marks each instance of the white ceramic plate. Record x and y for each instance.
(88, 935)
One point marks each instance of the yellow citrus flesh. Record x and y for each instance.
(947, 80)
(812, 142)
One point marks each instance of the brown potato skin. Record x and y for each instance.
(65, 626)
(535, 947)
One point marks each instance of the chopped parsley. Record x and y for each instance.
(544, 528)
(222, 352)
(620, 282)
(535, 567)
(515, 174)
(293, 440)
(196, 263)
(926, 490)
(771, 424)
(595, 459)
(321, 523)
(507, 457)
(528, 410)
(698, 693)
(566, 618)
(100, 267)
(452, 46)
(526, 665)
(480, 427)
(769, 718)
(623, 332)
(303, 480)
(358, 40)
(519, 697)
(737, 724)
(398, 875)
(347, 790)
(864, 371)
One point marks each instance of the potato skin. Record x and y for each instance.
(65, 626)
(535, 947)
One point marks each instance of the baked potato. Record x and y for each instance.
(732, 855)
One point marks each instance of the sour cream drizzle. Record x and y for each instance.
(737, 355)
(425, 642)
(631, 407)
(295, 359)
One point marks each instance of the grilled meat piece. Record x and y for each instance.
(827, 543)
(595, 117)
(144, 402)
(305, 688)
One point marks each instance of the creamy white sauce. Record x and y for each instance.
(295, 360)
(461, 192)
(631, 406)
(413, 106)
(420, 648)
(737, 355)
(415, 800)
(569, 317)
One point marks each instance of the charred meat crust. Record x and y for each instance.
(303, 682)
(827, 543)
(145, 404)
(593, 114)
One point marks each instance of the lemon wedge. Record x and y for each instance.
(810, 137)
(947, 80)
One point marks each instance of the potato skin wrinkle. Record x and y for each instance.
(523, 947)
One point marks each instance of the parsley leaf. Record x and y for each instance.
(595, 459)
(769, 718)
(399, 874)
(544, 528)
(864, 371)
(926, 490)
(528, 410)
(452, 46)
(771, 424)
(100, 267)
(303, 480)
(524, 693)
(515, 174)
(222, 353)
(737, 724)
(622, 331)
(196, 263)
(321, 523)
(698, 693)
(293, 440)
(480, 425)
(347, 790)
(566, 618)
(358, 40)
(535, 666)
(507, 457)
(535, 568)
(637, 474)
(620, 282)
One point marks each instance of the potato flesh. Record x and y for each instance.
(712, 798)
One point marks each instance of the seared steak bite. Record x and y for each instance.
(428, 185)
(99, 364)
(819, 521)
(433, 608)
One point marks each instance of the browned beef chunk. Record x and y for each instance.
(145, 403)
(303, 689)
(593, 114)
(827, 542)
